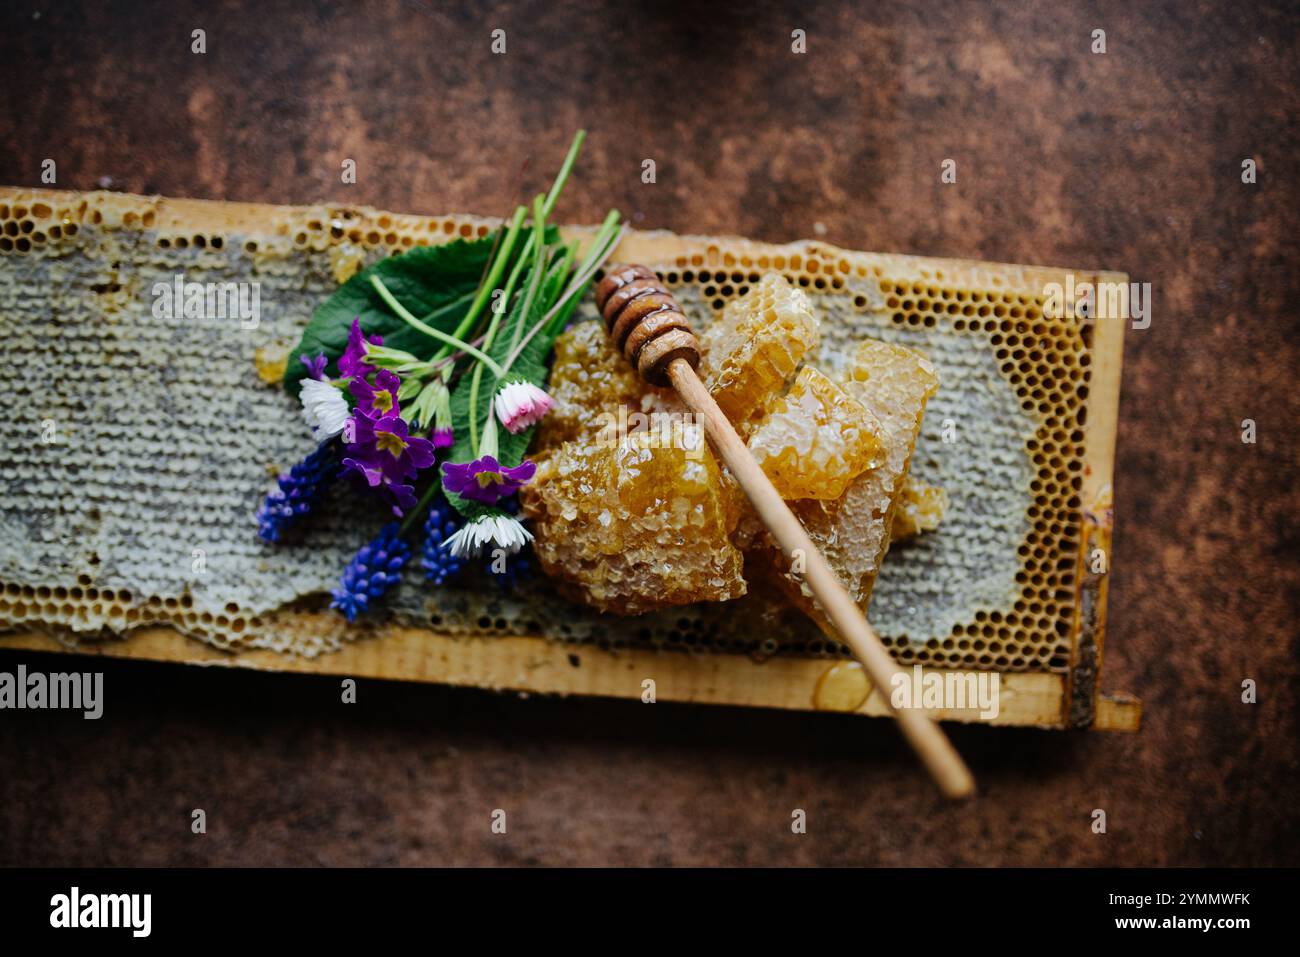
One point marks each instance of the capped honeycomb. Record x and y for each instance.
(920, 509)
(751, 352)
(592, 383)
(816, 439)
(110, 518)
(636, 525)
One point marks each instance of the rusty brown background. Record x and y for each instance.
(1129, 160)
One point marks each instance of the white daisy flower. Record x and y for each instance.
(504, 531)
(521, 404)
(324, 408)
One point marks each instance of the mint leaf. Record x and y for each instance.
(436, 283)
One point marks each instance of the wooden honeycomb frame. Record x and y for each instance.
(1064, 694)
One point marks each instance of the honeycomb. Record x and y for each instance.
(632, 526)
(853, 531)
(920, 509)
(591, 383)
(754, 348)
(816, 439)
(150, 537)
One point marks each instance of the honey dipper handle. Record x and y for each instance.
(923, 733)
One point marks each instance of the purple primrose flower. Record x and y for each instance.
(485, 479)
(353, 360)
(385, 454)
(315, 367)
(378, 400)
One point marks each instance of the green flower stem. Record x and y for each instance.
(428, 330)
(433, 368)
(526, 253)
(494, 276)
(490, 336)
(570, 254)
(539, 234)
(563, 176)
(434, 487)
(489, 446)
(503, 255)
(539, 259)
(560, 266)
(525, 257)
(601, 249)
(607, 240)
(566, 264)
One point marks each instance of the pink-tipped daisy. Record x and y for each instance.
(520, 405)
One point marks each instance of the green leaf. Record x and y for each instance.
(436, 283)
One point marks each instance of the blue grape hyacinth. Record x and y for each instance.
(298, 491)
(374, 569)
(440, 565)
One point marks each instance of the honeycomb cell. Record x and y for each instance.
(755, 346)
(637, 525)
(816, 439)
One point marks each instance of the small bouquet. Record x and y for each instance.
(422, 379)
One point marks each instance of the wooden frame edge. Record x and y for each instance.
(539, 665)
(1083, 705)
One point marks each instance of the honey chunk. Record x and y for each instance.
(595, 389)
(852, 531)
(636, 525)
(921, 507)
(754, 347)
(816, 439)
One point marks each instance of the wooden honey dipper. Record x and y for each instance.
(651, 330)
